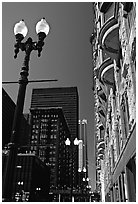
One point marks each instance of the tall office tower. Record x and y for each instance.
(48, 135)
(65, 97)
(114, 74)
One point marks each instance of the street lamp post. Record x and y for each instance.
(72, 144)
(20, 31)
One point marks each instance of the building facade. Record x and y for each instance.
(48, 135)
(114, 59)
(8, 108)
(65, 97)
(30, 179)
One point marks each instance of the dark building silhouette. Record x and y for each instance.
(30, 179)
(8, 108)
(65, 97)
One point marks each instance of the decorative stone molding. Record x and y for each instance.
(133, 50)
(127, 6)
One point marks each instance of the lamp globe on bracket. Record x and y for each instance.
(67, 142)
(79, 170)
(84, 170)
(20, 30)
(76, 141)
(42, 29)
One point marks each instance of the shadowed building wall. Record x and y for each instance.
(8, 108)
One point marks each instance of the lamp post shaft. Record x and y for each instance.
(14, 142)
(23, 81)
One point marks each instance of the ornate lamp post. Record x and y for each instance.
(20, 31)
(72, 144)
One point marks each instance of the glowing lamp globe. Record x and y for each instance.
(84, 169)
(67, 142)
(87, 179)
(79, 170)
(76, 141)
(42, 27)
(20, 28)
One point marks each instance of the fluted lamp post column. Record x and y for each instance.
(20, 31)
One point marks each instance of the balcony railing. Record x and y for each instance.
(101, 145)
(106, 72)
(109, 38)
(104, 6)
(100, 151)
(100, 140)
(100, 155)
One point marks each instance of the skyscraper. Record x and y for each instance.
(54, 119)
(48, 135)
(65, 97)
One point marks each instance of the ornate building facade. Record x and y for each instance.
(114, 59)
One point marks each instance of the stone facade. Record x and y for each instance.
(114, 41)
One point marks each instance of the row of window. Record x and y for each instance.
(39, 115)
(37, 125)
(42, 138)
(52, 159)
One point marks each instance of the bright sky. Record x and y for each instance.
(66, 55)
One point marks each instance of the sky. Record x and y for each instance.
(66, 55)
